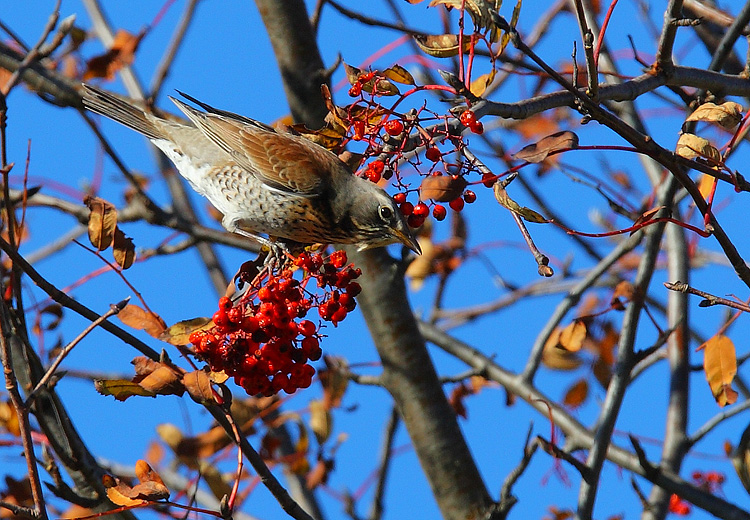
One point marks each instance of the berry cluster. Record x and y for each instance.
(417, 214)
(469, 120)
(678, 506)
(711, 481)
(374, 171)
(262, 339)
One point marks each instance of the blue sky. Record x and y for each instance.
(227, 61)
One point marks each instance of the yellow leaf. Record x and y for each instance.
(121, 389)
(479, 85)
(720, 366)
(706, 185)
(572, 336)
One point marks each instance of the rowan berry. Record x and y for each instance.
(399, 198)
(377, 166)
(394, 127)
(468, 118)
(433, 154)
(373, 176)
(470, 197)
(457, 204)
(421, 210)
(414, 221)
(406, 208)
(477, 127)
(439, 212)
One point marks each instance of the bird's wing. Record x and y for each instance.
(283, 162)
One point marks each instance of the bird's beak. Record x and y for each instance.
(407, 238)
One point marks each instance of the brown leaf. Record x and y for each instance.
(557, 358)
(690, 146)
(9, 418)
(728, 114)
(334, 381)
(442, 188)
(423, 265)
(198, 385)
(480, 84)
(123, 249)
(572, 336)
(102, 222)
(720, 366)
(399, 74)
(321, 420)
(121, 389)
(537, 152)
(121, 53)
(140, 319)
(163, 381)
(576, 395)
(179, 333)
(442, 45)
(457, 398)
(504, 199)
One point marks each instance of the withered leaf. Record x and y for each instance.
(334, 381)
(457, 399)
(576, 395)
(423, 265)
(690, 146)
(163, 381)
(179, 333)
(537, 152)
(528, 214)
(399, 74)
(9, 418)
(121, 53)
(728, 114)
(121, 389)
(479, 85)
(479, 10)
(720, 366)
(198, 385)
(572, 336)
(141, 319)
(102, 222)
(321, 420)
(442, 45)
(442, 188)
(557, 358)
(123, 249)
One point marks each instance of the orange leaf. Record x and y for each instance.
(443, 188)
(102, 222)
(120, 54)
(720, 366)
(140, 319)
(576, 394)
(198, 385)
(572, 336)
(123, 249)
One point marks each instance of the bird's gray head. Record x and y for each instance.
(378, 221)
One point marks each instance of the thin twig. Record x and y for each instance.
(708, 298)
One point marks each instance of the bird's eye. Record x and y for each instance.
(386, 213)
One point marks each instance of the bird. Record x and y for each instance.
(265, 182)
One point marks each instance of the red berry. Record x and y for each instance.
(457, 204)
(306, 328)
(468, 118)
(373, 176)
(399, 198)
(196, 337)
(488, 179)
(407, 208)
(225, 303)
(414, 221)
(394, 127)
(355, 90)
(338, 259)
(470, 196)
(477, 127)
(421, 210)
(221, 319)
(377, 166)
(433, 154)
(359, 130)
(265, 294)
(439, 212)
(353, 289)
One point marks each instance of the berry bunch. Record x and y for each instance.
(469, 120)
(263, 340)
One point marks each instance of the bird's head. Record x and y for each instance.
(378, 221)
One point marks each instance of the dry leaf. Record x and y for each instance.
(399, 74)
(179, 333)
(140, 319)
(720, 366)
(442, 188)
(198, 385)
(690, 146)
(537, 152)
(123, 249)
(334, 381)
(728, 114)
(102, 222)
(528, 214)
(120, 54)
(706, 185)
(557, 358)
(321, 420)
(457, 398)
(576, 394)
(121, 389)
(9, 418)
(423, 265)
(479, 85)
(572, 336)
(442, 45)
(479, 10)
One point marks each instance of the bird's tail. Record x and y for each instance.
(119, 110)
